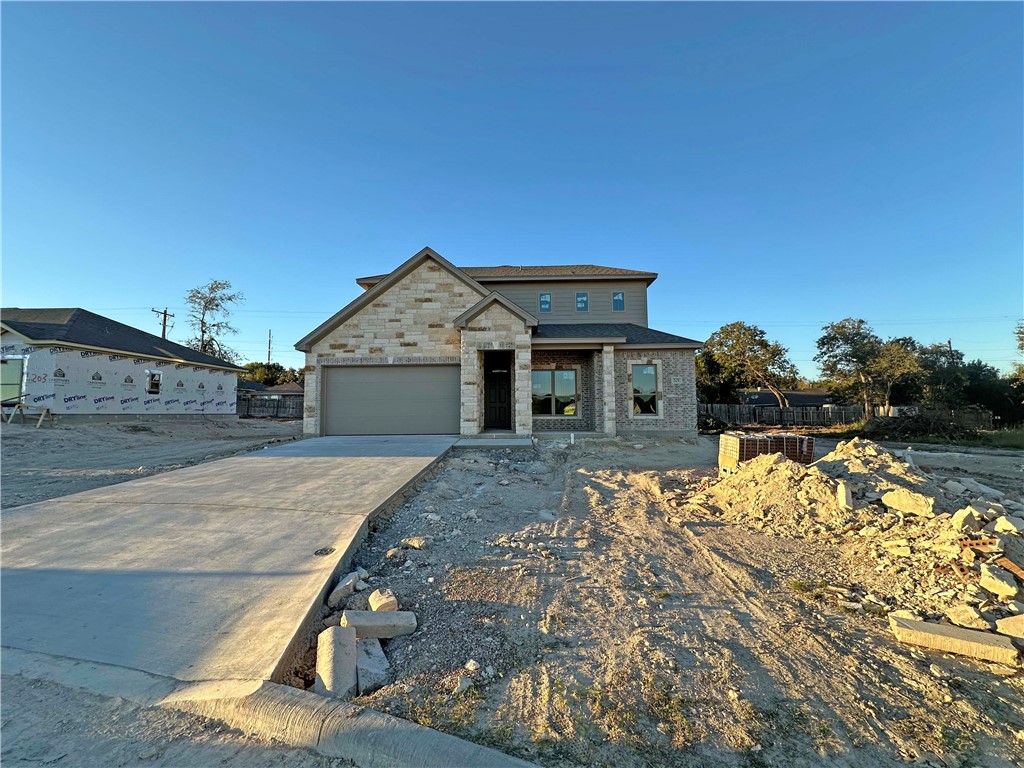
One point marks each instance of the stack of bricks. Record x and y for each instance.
(734, 447)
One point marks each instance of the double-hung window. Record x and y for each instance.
(582, 301)
(645, 390)
(554, 393)
(545, 302)
(618, 301)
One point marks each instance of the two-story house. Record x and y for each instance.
(432, 348)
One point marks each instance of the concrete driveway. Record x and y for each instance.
(204, 573)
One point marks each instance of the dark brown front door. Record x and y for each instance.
(497, 390)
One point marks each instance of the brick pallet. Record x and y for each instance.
(734, 447)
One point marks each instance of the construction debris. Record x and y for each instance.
(965, 642)
(372, 667)
(336, 663)
(383, 600)
(948, 548)
(385, 625)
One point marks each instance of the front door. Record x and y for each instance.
(497, 390)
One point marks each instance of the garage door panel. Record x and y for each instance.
(389, 400)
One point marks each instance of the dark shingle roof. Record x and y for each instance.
(635, 334)
(523, 273)
(79, 326)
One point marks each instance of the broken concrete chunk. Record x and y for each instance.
(383, 600)
(345, 587)
(336, 663)
(968, 617)
(955, 488)
(1009, 525)
(909, 502)
(843, 496)
(966, 519)
(975, 487)
(965, 642)
(372, 667)
(998, 581)
(1012, 626)
(381, 625)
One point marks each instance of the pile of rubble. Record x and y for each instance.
(349, 656)
(946, 553)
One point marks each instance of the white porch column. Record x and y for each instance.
(608, 378)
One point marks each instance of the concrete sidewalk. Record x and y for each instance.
(204, 573)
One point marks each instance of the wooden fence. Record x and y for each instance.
(265, 407)
(783, 417)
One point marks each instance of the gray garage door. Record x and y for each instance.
(391, 400)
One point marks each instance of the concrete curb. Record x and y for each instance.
(298, 718)
(333, 728)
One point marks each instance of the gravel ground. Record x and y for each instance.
(605, 635)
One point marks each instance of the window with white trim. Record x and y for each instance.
(645, 390)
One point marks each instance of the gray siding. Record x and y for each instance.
(563, 300)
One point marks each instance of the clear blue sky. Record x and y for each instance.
(782, 164)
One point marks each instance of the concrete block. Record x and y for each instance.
(345, 588)
(383, 600)
(998, 581)
(381, 625)
(1012, 626)
(909, 502)
(372, 666)
(949, 639)
(336, 663)
(955, 488)
(975, 487)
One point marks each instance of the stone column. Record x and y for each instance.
(608, 379)
(522, 412)
(471, 377)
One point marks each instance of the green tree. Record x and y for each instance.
(208, 311)
(743, 353)
(944, 375)
(1018, 368)
(713, 385)
(895, 362)
(265, 373)
(847, 351)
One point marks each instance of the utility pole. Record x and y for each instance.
(163, 325)
(270, 337)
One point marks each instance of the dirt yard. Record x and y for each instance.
(44, 463)
(594, 619)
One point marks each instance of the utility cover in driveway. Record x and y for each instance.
(391, 400)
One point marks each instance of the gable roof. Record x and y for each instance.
(494, 298)
(508, 273)
(76, 327)
(632, 333)
(306, 342)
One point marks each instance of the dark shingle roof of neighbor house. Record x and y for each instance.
(75, 326)
(634, 334)
(796, 397)
(510, 272)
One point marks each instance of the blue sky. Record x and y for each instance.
(782, 164)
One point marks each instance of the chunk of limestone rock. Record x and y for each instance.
(372, 666)
(909, 502)
(379, 624)
(998, 581)
(345, 587)
(843, 496)
(336, 663)
(968, 617)
(1009, 524)
(1012, 626)
(949, 639)
(966, 519)
(383, 600)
